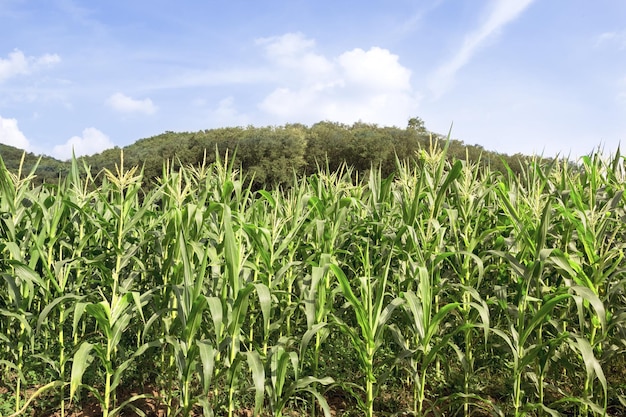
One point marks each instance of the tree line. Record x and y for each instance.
(271, 155)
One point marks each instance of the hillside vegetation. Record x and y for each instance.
(271, 155)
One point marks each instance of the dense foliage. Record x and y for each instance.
(446, 287)
(48, 169)
(270, 156)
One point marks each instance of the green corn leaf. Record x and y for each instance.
(231, 251)
(592, 298)
(207, 358)
(119, 308)
(258, 378)
(265, 301)
(119, 328)
(139, 300)
(321, 400)
(355, 303)
(101, 313)
(121, 368)
(308, 335)
(47, 309)
(540, 316)
(194, 319)
(592, 365)
(483, 311)
(82, 359)
(14, 292)
(26, 274)
(510, 343)
(452, 175)
(307, 381)
(385, 316)
(240, 307)
(310, 305)
(128, 403)
(419, 320)
(279, 361)
(21, 316)
(217, 315)
(79, 309)
(14, 368)
(438, 318)
(541, 233)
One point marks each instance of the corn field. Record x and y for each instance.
(444, 290)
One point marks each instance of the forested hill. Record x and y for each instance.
(48, 168)
(271, 154)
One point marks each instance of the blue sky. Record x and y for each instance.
(528, 76)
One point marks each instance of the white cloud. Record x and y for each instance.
(19, 64)
(364, 85)
(10, 134)
(92, 141)
(502, 13)
(226, 114)
(375, 69)
(295, 52)
(125, 104)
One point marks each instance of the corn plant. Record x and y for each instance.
(23, 283)
(472, 225)
(531, 302)
(273, 228)
(590, 213)
(280, 388)
(372, 314)
(61, 220)
(332, 198)
(120, 305)
(422, 340)
(191, 351)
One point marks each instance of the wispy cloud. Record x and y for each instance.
(125, 104)
(415, 20)
(501, 13)
(613, 38)
(19, 64)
